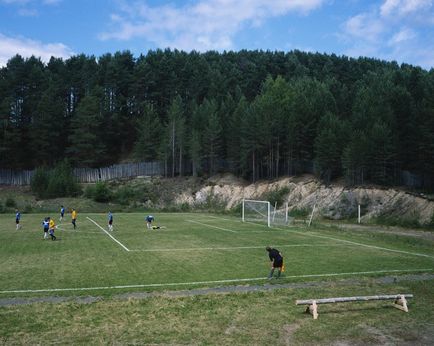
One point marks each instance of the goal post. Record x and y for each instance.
(264, 212)
(280, 216)
(256, 211)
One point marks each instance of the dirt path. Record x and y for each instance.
(217, 290)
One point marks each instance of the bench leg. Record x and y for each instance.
(313, 310)
(401, 304)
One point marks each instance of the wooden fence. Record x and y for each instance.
(10, 177)
(89, 175)
(127, 170)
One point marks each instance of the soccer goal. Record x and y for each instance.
(264, 212)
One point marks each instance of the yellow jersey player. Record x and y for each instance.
(74, 217)
(51, 228)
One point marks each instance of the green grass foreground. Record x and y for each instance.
(259, 318)
(205, 250)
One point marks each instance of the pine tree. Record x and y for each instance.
(329, 145)
(86, 146)
(213, 138)
(47, 129)
(176, 133)
(149, 136)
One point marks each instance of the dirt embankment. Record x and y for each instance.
(332, 201)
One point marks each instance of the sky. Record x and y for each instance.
(399, 30)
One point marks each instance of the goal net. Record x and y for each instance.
(264, 212)
(256, 211)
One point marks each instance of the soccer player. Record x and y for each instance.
(62, 213)
(74, 217)
(149, 220)
(276, 259)
(110, 221)
(46, 224)
(17, 219)
(51, 228)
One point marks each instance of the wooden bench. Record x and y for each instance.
(400, 301)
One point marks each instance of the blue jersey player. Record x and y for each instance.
(45, 224)
(149, 220)
(110, 221)
(62, 212)
(17, 219)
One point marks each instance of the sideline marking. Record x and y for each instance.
(204, 224)
(117, 241)
(210, 282)
(237, 247)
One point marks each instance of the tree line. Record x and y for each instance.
(258, 114)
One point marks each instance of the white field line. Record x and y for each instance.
(117, 241)
(211, 226)
(374, 247)
(351, 242)
(72, 231)
(214, 282)
(238, 247)
(219, 218)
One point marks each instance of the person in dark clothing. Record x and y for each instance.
(46, 224)
(276, 259)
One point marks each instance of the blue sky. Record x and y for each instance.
(401, 30)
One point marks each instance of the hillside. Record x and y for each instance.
(255, 114)
(225, 192)
(333, 201)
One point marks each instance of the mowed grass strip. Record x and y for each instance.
(256, 318)
(181, 252)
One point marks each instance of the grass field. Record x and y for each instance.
(204, 251)
(191, 250)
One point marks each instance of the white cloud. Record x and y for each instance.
(404, 7)
(202, 25)
(24, 2)
(398, 30)
(401, 36)
(364, 26)
(9, 47)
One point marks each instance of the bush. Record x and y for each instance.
(237, 209)
(124, 195)
(276, 196)
(39, 182)
(300, 213)
(99, 192)
(60, 182)
(10, 203)
(28, 208)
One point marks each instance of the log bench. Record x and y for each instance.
(400, 301)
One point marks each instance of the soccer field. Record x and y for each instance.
(190, 250)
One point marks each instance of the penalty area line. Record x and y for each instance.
(316, 235)
(238, 247)
(211, 226)
(213, 282)
(114, 239)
